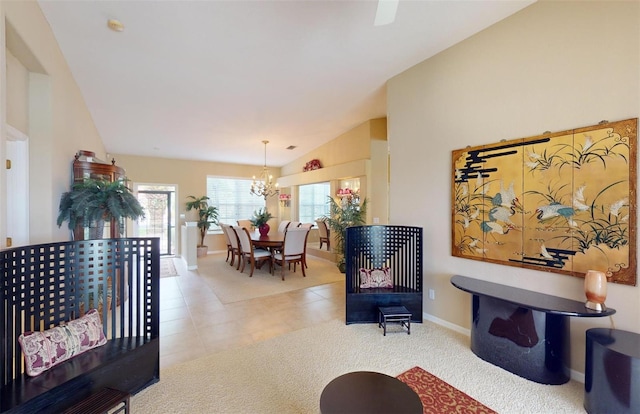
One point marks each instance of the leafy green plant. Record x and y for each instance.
(207, 215)
(348, 212)
(260, 217)
(94, 201)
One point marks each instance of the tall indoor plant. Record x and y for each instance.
(92, 202)
(345, 212)
(207, 215)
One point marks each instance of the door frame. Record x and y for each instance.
(172, 222)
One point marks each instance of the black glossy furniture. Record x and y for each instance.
(108, 400)
(366, 392)
(522, 331)
(394, 314)
(612, 371)
(44, 285)
(397, 247)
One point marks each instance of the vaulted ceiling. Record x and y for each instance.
(209, 80)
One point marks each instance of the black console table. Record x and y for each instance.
(522, 331)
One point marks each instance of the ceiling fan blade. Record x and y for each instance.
(386, 12)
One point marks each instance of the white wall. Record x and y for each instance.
(551, 67)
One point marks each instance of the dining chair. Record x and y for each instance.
(307, 226)
(293, 251)
(249, 253)
(293, 225)
(323, 233)
(282, 227)
(235, 246)
(225, 231)
(246, 224)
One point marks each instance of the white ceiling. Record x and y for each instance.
(209, 80)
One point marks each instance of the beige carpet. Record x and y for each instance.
(230, 285)
(286, 374)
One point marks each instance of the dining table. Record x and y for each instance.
(269, 242)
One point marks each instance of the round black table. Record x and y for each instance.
(368, 392)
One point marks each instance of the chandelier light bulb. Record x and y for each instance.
(264, 186)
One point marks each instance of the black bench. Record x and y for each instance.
(107, 400)
(44, 285)
(379, 246)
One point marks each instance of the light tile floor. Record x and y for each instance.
(193, 321)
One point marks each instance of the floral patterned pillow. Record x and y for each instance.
(43, 350)
(375, 278)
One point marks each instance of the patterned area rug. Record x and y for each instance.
(167, 268)
(439, 397)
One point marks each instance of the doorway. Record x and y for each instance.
(17, 195)
(159, 211)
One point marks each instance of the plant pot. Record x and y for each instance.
(202, 251)
(264, 229)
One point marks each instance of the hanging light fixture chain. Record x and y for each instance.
(264, 186)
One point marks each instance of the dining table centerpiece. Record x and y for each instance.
(260, 220)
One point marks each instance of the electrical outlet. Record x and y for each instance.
(432, 294)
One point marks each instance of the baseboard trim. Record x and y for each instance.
(446, 324)
(577, 376)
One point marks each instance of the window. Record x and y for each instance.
(313, 202)
(232, 197)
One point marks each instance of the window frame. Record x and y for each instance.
(216, 200)
(325, 201)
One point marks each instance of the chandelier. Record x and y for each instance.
(264, 186)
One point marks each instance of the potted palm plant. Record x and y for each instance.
(345, 213)
(260, 219)
(92, 202)
(207, 215)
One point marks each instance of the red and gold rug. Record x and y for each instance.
(438, 397)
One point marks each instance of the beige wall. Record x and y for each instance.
(350, 146)
(190, 178)
(58, 122)
(358, 153)
(551, 67)
(17, 94)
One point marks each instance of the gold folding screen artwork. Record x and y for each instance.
(561, 202)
